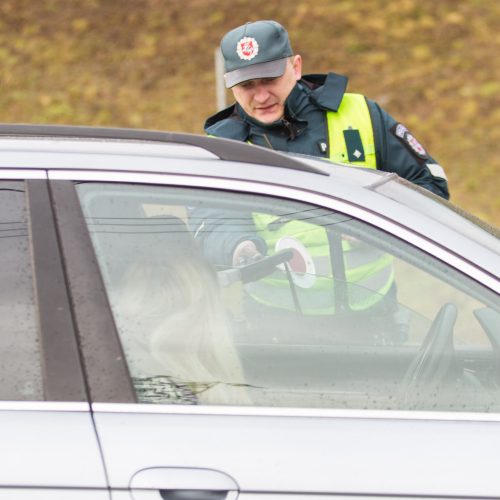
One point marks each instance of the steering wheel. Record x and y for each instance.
(435, 358)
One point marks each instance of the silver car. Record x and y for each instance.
(185, 317)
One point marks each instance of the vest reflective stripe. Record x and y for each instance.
(320, 299)
(353, 113)
(369, 272)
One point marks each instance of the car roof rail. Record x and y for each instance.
(225, 149)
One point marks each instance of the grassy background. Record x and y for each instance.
(150, 63)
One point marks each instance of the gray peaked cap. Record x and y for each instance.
(255, 50)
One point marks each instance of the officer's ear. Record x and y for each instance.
(297, 66)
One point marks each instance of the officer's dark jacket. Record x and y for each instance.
(303, 130)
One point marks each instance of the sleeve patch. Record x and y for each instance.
(404, 135)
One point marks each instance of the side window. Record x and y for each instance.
(224, 298)
(20, 370)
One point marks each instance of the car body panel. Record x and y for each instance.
(54, 494)
(49, 445)
(336, 452)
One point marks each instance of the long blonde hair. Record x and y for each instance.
(172, 321)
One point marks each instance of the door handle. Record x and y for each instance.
(182, 483)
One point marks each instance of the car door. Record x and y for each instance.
(48, 442)
(310, 373)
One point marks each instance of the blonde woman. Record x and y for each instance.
(173, 325)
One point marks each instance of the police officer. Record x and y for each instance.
(278, 108)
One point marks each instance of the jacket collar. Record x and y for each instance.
(227, 123)
(325, 91)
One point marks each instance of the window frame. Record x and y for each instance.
(107, 374)
(100, 353)
(63, 374)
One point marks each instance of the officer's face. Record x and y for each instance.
(264, 98)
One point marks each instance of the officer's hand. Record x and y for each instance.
(246, 251)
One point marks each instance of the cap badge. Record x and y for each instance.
(247, 48)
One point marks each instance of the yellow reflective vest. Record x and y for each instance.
(368, 272)
(352, 116)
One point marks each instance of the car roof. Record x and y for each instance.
(71, 147)
(224, 149)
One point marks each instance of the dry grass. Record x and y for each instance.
(149, 64)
